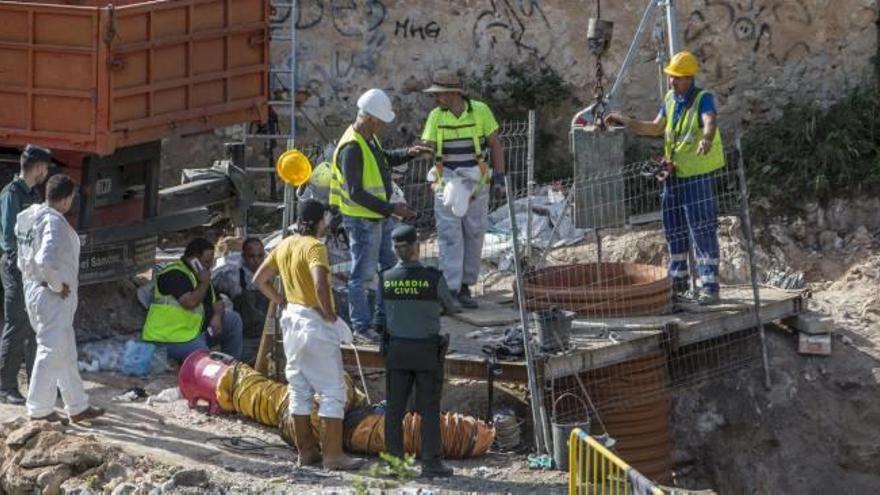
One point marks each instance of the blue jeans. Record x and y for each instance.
(230, 340)
(690, 214)
(370, 245)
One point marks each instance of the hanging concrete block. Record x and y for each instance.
(600, 199)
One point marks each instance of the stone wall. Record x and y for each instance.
(758, 55)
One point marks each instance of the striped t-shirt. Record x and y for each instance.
(455, 136)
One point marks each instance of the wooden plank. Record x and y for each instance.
(457, 365)
(601, 352)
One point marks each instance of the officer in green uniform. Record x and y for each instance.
(411, 299)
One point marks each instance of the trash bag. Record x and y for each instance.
(138, 358)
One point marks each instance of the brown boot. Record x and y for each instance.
(331, 441)
(90, 412)
(306, 444)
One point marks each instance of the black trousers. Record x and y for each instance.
(429, 385)
(18, 342)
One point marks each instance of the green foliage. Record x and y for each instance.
(816, 154)
(515, 89)
(400, 470)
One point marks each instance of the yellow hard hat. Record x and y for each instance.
(683, 64)
(321, 175)
(293, 167)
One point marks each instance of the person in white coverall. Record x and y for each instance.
(48, 257)
(312, 334)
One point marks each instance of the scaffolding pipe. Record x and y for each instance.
(672, 28)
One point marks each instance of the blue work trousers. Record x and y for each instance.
(690, 215)
(371, 251)
(230, 340)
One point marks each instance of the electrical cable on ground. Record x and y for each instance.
(357, 359)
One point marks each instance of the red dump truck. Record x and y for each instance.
(101, 85)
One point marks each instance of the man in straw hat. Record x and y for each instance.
(693, 149)
(463, 133)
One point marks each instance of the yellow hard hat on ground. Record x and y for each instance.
(683, 64)
(293, 167)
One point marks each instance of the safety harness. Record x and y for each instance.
(479, 153)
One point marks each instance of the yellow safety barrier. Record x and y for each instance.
(595, 470)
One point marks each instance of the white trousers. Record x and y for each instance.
(460, 240)
(314, 361)
(55, 367)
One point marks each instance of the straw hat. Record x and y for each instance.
(445, 81)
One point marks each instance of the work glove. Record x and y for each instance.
(499, 181)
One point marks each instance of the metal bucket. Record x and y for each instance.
(561, 432)
(554, 328)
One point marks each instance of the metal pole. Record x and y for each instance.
(750, 246)
(539, 415)
(672, 27)
(289, 214)
(530, 178)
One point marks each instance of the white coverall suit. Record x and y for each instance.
(48, 257)
(314, 361)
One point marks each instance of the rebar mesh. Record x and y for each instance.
(652, 250)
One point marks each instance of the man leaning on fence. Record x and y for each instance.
(692, 144)
(361, 188)
(462, 131)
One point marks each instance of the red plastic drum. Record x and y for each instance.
(199, 375)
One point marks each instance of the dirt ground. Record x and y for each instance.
(168, 437)
(816, 430)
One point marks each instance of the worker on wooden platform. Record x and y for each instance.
(411, 300)
(17, 343)
(462, 132)
(692, 145)
(312, 335)
(48, 257)
(361, 188)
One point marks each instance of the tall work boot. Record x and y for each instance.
(331, 441)
(306, 443)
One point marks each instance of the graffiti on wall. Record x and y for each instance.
(329, 73)
(776, 30)
(521, 22)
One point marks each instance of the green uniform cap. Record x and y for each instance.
(404, 233)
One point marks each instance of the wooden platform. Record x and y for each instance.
(597, 343)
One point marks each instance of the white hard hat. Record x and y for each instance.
(376, 104)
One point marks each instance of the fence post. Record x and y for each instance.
(530, 178)
(750, 247)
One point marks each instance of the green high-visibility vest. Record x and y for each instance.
(168, 321)
(371, 178)
(681, 141)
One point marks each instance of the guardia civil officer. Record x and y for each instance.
(411, 299)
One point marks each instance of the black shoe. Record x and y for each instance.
(11, 397)
(366, 336)
(465, 298)
(436, 469)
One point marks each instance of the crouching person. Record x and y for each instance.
(48, 258)
(412, 297)
(312, 334)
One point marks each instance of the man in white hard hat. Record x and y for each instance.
(463, 134)
(361, 189)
